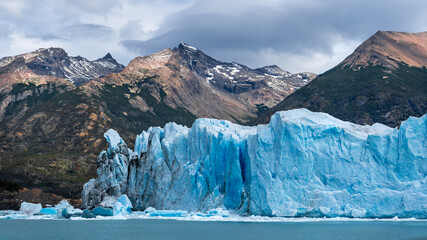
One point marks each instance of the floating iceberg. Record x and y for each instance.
(65, 210)
(30, 208)
(101, 211)
(302, 164)
(49, 211)
(123, 206)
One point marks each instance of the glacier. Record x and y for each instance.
(301, 164)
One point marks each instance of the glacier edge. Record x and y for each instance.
(300, 164)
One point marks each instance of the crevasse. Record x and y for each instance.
(300, 164)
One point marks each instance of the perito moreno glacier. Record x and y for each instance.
(300, 164)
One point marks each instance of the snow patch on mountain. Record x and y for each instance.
(56, 62)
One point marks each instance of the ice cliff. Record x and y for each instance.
(301, 164)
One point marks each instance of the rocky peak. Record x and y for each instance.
(272, 70)
(152, 61)
(55, 53)
(195, 59)
(186, 47)
(109, 64)
(108, 57)
(56, 62)
(389, 49)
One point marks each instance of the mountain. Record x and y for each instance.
(384, 80)
(56, 62)
(389, 49)
(185, 78)
(262, 87)
(51, 130)
(16, 79)
(302, 164)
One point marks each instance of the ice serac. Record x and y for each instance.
(112, 173)
(301, 164)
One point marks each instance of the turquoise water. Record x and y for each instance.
(172, 229)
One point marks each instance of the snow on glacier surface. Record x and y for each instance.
(113, 138)
(300, 164)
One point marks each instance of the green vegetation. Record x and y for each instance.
(40, 145)
(21, 87)
(36, 95)
(123, 115)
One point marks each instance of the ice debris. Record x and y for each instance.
(65, 210)
(302, 164)
(123, 206)
(49, 211)
(30, 208)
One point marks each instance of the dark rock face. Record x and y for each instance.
(56, 62)
(11, 199)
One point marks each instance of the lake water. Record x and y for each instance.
(185, 230)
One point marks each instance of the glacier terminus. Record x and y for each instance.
(301, 164)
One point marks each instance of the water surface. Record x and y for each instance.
(172, 229)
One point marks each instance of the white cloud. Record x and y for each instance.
(13, 7)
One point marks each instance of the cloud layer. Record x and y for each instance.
(297, 35)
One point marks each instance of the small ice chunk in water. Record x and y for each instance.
(101, 211)
(168, 213)
(65, 210)
(62, 205)
(123, 206)
(49, 211)
(30, 208)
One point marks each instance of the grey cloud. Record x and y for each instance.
(132, 30)
(250, 32)
(87, 31)
(93, 6)
(45, 18)
(292, 28)
(5, 30)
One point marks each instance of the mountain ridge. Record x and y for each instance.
(376, 83)
(56, 62)
(388, 48)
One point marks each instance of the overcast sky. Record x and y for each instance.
(297, 35)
